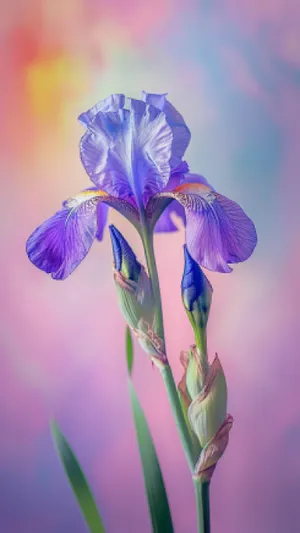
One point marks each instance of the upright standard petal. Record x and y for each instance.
(127, 152)
(111, 103)
(218, 232)
(131, 147)
(181, 133)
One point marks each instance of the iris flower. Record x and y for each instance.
(132, 151)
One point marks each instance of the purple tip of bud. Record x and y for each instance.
(193, 280)
(116, 237)
(125, 260)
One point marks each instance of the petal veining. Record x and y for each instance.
(218, 232)
(131, 147)
(127, 152)
(181, 133)
(60, 243)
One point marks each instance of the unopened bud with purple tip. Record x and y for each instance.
(132, 282)
(196, 291)
(125, 260)
(135, 296)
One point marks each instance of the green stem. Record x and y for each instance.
(182, 428)
(147, 239)
(201, 343)
(166, 371)
(202, 499)
(202, 494)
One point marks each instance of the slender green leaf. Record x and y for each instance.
(129, 351)
(154, 484)
(77, 481)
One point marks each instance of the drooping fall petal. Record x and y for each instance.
(218, 232)
(60, 243)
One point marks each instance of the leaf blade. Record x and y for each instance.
(129, 351)
(77, 481)
(155, 489)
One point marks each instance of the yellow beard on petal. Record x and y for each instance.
(192, 188)
(77, 199)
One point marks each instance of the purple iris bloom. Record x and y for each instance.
(132, 151)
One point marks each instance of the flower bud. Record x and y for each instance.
(195, 373)
(208, 408)
(135, 296)
(124, 258)
(204, 391)
(212, 452)
(196, 292)
(132, 282)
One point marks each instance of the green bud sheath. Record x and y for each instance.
(135, 296)
(207, 411)
(195, 373)
(212, 452)
(132, 282)
(204, 398)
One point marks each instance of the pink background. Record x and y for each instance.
(233, 70)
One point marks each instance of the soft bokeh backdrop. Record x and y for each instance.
(232, 68)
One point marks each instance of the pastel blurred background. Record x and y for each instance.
(233, 70)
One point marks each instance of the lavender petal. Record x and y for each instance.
(165, 224)
(128, 151)
(60, 243)
(218, 233)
